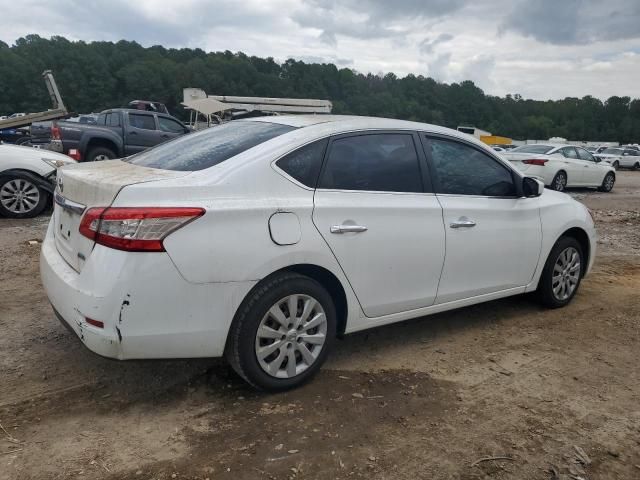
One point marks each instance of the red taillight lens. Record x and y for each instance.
(95, 323)
(75, 154)
(55, 132)
(535, 161)
(135, 229)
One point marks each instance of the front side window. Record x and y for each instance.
(612, 151)
(101, 120)
(382, 162)
(113, 120)
(209, 147)
(170, 125)
(144, 122)
(464, 170)
(304, 164)
(585, 155)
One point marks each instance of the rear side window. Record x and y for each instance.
(377, 162)
(464, 170)
(145, 122)
(304, 164)
(209, 147)
(532, 149)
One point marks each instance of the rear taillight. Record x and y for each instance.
(75, 154)
(535, 161)
(135, 229)
(55, 132)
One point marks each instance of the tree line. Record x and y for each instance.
(98, 75)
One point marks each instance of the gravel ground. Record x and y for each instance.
(555, 393)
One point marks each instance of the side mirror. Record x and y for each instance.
(532, 187)
(597, 160)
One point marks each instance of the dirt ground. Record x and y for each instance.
(557, 393)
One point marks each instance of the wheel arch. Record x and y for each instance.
(324, 277)
(101, 142)
(582, 238)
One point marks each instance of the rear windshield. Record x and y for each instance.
(532, 149)
(204, 149)
(612, 151)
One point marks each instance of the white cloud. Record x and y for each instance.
(503, 46)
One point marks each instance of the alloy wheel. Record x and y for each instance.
(560, 183)
(19, 196)
(99, 158)
(608, 183)
(566, 273)
(291, 336)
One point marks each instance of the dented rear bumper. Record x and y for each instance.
(147, 308)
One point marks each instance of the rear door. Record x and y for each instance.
(493, 238)
(375, 208)
(573, 166)
(142, 132)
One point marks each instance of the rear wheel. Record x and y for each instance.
(608, 182)
(559, 182)
(562, 273)
(98, 154)
(282, 333)
(20, 197)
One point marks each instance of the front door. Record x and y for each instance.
(381, 223)
(493, 238)
(142, 132)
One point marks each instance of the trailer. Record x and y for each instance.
(58, 111)
(218, 108)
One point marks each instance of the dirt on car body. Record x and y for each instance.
(503, 390)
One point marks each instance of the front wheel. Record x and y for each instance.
(616, 165)
(562, 273)
(608, 182)
(282, 333)
(20, 197)
(636, 166)
(559, 182)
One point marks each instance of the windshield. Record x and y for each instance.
(612, 151)
(532, 149)
(209, 147)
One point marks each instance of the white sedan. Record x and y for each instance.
(562, 166)
(27, 179)
(264, 239)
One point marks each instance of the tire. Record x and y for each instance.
(97, 154)
(608, 182)
(20, 197)
(636, 166)
(550, 290)
(559, 182)
(255, 315)
(616, 165)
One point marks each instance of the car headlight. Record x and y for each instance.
(55, 163)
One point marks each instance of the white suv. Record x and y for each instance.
(263, 239)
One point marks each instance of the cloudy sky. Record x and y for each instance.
(539, 48)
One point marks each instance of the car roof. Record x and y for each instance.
(346, 123)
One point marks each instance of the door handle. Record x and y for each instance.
(462, 224)
(348, 229)
(133, 133)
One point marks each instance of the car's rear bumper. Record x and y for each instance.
(148, 309)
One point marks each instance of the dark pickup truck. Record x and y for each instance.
(117, 133)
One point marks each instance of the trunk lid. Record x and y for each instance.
(86, 185)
